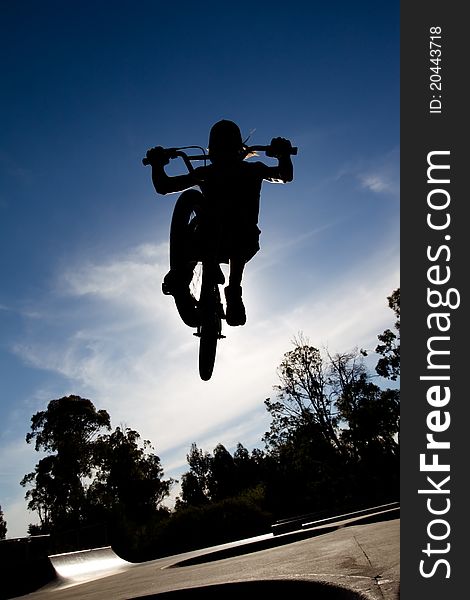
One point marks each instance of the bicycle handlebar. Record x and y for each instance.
(177, 152)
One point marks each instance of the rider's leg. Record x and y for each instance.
(237, 266)
(178, 278)
(235, 312)
(244, 245)
(176, 284)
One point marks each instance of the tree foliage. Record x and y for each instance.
(66, 431)
(68, 426)
(389, 365)
(3, 525)
(195, 483)
(332, 441)
(218, 476)
(87, 474)
(128, 477)
(304, 397)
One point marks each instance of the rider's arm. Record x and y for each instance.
(285, 168)
(158, 157)
(284, 171)
(164, 184)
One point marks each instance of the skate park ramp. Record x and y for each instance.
(86, 565)
(351, 559)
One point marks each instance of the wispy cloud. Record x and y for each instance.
(126, 349)
(379, 174)
(375, 183)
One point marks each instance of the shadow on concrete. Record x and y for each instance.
(273, 588)
(265, 542)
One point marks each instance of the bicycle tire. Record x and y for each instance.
(186, 215)
(210, 330)
(209, 313)
(209, 336)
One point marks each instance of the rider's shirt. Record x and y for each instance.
(233, 192)
(231, 200)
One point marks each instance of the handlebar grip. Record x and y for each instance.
(169, 152)
(267, 149)
(292, 151)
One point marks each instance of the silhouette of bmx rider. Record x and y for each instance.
(230, 194)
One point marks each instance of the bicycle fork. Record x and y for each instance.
(210, 307)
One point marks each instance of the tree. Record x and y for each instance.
(332, 442)
(195, 483)
(129, 475)
(219, 476)
(3, 526)
(305, 397)
(330, 396)
(67, 431)
(370, 415)
(389, 365)
(222, 480)
(333, 435)
(48, 489)
(249, 468)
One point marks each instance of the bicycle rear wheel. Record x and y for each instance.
(184, 223)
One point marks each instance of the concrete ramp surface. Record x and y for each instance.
(86, 565)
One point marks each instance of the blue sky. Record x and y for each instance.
(87, 88)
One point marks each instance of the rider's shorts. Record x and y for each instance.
(245, 243)
(229, 242)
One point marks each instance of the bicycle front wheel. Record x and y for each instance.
(210, 329)
(209, 336)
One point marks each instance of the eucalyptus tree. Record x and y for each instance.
(66, 432)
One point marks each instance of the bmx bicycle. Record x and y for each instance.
(207, 275)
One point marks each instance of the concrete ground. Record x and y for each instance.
(353, 559)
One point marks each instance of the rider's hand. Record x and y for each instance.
(279, 147)
(158, 156)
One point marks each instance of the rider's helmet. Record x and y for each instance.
(225, 138)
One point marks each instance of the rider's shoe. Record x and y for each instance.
(178, 286)
(235, 311)
(174, 280)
